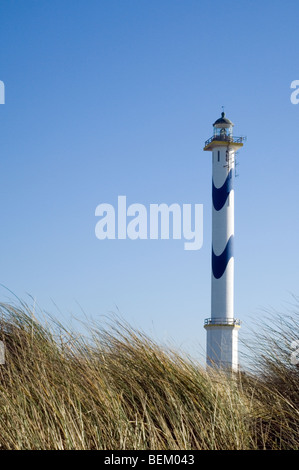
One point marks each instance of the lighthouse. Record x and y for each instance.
(222, 327)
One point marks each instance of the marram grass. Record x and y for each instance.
(117, 389)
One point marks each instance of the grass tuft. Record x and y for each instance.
(115, 388)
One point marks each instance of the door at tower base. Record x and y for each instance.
(222, 346)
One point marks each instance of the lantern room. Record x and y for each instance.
(223, 128)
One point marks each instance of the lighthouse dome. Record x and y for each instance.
(223, 122)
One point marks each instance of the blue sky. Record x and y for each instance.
(113, 97)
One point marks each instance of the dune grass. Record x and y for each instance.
(115, 388)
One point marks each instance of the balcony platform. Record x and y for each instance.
(219, 141)
(222, 322)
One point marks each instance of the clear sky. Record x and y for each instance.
(116, 97)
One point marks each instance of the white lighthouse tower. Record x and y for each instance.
(222, 328)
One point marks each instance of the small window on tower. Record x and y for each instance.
(218, 155)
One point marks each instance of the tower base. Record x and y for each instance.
(222, 344)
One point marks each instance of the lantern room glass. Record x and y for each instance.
(223, 132)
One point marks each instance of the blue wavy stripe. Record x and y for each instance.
(220, 195)
(220, 262)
